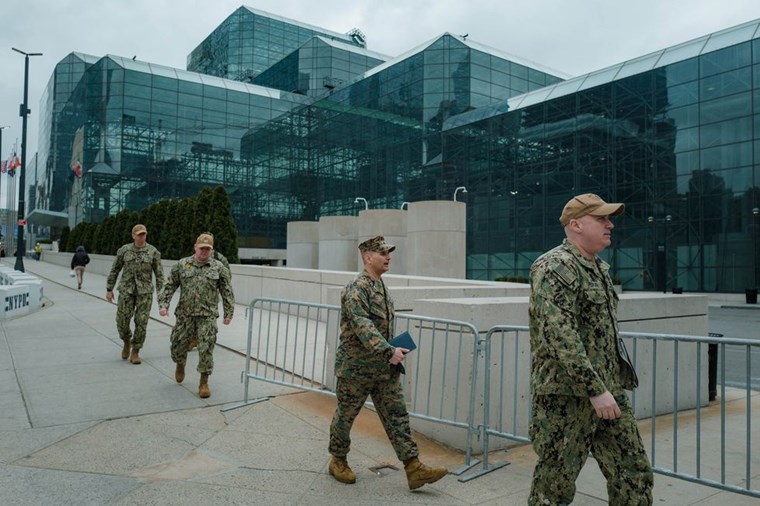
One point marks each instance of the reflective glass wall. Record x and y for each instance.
(148, 132)
(318, 67)
(55, 139)
(677, 144)
(250, 41)
(379, 137)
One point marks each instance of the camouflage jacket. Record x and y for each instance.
(136, 267)
(366, 325)
(200, 286)
(573, 327)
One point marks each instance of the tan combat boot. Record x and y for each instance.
(418, 474)
(125, 350)
(135, 356)
(203, 390)
(340, 471)
(179, 373)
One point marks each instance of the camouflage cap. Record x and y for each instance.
(205, 241)
(139, 229)
(376, 244)
(588, 204)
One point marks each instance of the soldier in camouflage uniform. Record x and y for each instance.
(216, 256)
(137, 262)
(201, 280)
(580, 367)
(366, 365)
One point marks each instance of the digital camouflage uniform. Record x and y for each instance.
(363, 369)
(137, 266)
(198, 308)
(577, 354)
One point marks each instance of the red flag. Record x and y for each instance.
(77, 168)
(14, 162)
(3, 166)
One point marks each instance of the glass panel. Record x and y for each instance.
(683, 94)
(687, 163)
(726, 157)
(136, 90)
(188, 76)
(638, 65)
(682, 51)
(725, 108)
(536, 76)
(535, 97)
(566, 87)
(724, 60)
(687, 140)
(519, 71)
(725, 84)
(160, 70)
(730, 37)
(726, 132)
(682, 72)
(600, 77)
(684, 117)
(518, 85)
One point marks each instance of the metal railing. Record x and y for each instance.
(293, 344)
(673, 390)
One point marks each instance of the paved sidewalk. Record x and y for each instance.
(79, 425)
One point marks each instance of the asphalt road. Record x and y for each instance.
(744, 324)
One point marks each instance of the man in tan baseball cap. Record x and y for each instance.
(138, 262)
(139, 229)
(200, 280)
(588, 204)
(581, 370)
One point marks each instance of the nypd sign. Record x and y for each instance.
(17, 300)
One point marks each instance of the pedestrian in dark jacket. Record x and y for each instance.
(78, 263)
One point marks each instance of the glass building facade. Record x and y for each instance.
(318, 67)
(311, 120)
(250, 41)
(675, 135)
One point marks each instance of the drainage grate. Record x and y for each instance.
(383, 470)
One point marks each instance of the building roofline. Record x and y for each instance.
(698, 46)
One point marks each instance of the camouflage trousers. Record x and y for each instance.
(137, 306)
(204, 329)
(388, 398)
(564, 429)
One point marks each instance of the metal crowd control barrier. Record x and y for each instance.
(734, 453)
(293, 343)
(673, 388)
(509, 407)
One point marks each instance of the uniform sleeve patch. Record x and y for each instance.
(565, 275)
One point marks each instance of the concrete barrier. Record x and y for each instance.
(20, 293)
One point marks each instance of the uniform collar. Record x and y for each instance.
(596, 263)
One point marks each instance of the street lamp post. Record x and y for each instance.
(755, 216)
(362, 199)
(23, 112)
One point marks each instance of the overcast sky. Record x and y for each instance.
(570, 36)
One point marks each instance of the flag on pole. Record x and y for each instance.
(3, 166)
(77, 168)
(14, 162)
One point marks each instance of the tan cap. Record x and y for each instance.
(205, 241)
(139, 229)
(588, 204)
(376, 244)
